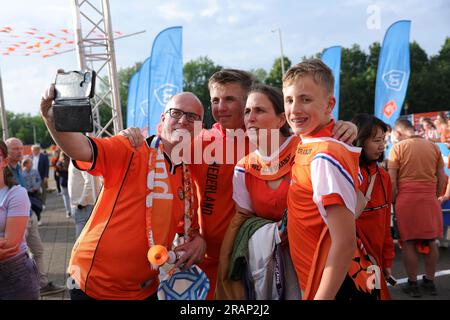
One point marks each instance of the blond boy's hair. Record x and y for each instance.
(315, 68)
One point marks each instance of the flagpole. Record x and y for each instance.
(281, 49)
(3, 111)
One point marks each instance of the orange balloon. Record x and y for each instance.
(157, 255)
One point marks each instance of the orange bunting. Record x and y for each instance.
(33, 41)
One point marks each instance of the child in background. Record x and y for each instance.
(374, 224)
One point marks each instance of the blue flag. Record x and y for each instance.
(141, 104)
(393, 72)
(131, 99)
(166, 73)
(332, 58)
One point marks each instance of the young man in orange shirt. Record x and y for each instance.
(142, 203)
(325, 176)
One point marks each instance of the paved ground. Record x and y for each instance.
(58, 236)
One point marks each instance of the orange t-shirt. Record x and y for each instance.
(416, 159)
(325, 172)
(109, 259)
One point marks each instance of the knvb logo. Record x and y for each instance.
(389, 108)
(394, 79)
(165, 92)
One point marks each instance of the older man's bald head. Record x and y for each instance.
(15, 150)
(186, 99)
(13, 141)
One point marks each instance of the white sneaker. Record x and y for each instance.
(39, 223)
(68, 215)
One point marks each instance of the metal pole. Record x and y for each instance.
(118, 124)
(78, 35)
(3, 112)
(281, 49)
(282, 55)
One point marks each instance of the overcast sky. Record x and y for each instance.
(233, 33)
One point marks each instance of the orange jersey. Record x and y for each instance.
(374, 224)
(325, 173)
(213, 179)
(214, 184)
(109, 259)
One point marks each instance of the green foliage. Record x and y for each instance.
(196, 75)
(23, 126)
(260, 74)
(275, 75)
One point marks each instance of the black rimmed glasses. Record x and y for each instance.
(178, 114)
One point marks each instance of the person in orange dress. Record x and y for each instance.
(417, 173)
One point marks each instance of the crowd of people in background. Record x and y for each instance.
(437, 130)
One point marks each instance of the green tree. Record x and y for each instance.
(260, 74)
(355, 93)
(275, 74)
(29, 129)
(418, 85)
(437, 79)
(196, 75)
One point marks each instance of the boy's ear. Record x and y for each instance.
(331, 104)
(283, 119)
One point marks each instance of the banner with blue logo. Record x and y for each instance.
(166, 73)
(332, 58)
(393, 72)
(141, 115)
(131, 99)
